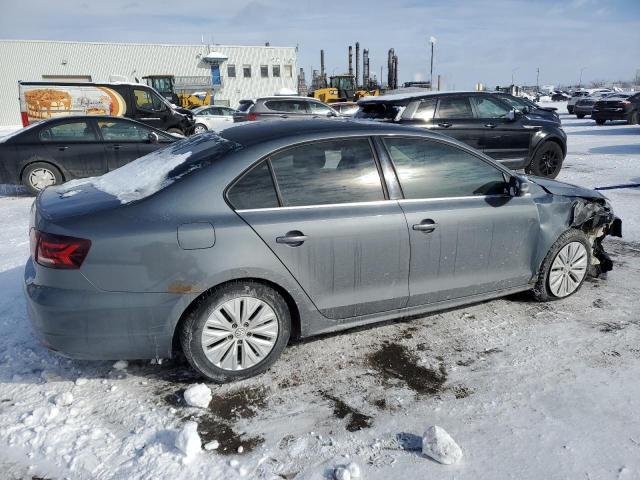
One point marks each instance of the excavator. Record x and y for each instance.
(342, 88)
(180, 95)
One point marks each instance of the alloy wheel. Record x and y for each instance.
(549, 162)
(568, 269)
(199, 129)
(240, 333)
(40, 178)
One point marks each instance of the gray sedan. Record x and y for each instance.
(226, 246)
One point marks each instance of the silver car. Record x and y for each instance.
(226, 246)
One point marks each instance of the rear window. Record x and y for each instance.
(153, 172)
(379, 111)
(289, 106)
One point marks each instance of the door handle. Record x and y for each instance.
(114, 147)
(426, 226)
(284, 116)
(444, 125)
(490, 125)
(62, 149)
(294, 238)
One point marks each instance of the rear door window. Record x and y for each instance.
(336, 171)
(454, 107)
(77, 131)
(287, 106)
(254, 189)
(425, 110)
(121, 131)
(319, 108)
(428, 169)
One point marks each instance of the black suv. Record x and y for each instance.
(278, 107)
(481, 120)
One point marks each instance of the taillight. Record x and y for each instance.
(252, 116)
(625, 103)
(25, 119)
(58, 251)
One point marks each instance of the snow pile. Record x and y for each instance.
(81, 381)
(438, 444)
(212, 445)
(188, 440)
(136, 180)
(198, 395)
(64, 399)
(347, 472)
(121, 365)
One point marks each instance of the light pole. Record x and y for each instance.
(580, 81)
(512, 76)
(432, 40)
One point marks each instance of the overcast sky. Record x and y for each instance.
(477, 41)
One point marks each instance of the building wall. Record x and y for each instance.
(31, 60)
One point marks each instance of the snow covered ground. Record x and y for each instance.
(528, 390)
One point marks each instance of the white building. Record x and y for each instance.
(249, 71)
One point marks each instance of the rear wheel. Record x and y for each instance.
(40, 175)
(564, 268)
(580, 115)
(199, 128)
(633, 119)
(237, 331)
(600, 121)
(547, 161)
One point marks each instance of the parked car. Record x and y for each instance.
(617, 106)
(212, 117)
(195, 246)
(575, 96)
(345, 109)
(278, 107)
(529, 108)
(481, 120)
(43, 100)
(584, 106)
(54, 151)
(560, 96)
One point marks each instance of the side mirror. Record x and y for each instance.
(153, 137)
(518, 186)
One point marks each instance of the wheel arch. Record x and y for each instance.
(294, 310)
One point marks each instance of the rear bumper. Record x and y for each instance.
(609, 115)
(98, 325)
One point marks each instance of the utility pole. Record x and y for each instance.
(580, 81)
(433, 42)
(538, 79)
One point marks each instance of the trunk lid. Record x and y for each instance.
(54, 206)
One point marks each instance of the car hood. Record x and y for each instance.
(566, 189)
(535, 119)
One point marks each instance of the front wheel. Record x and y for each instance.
(199, 128)
(564, 268)
(600, 121)
(547, 161)
(40, 175)
(237, 331)
(633, 119)
(580, 115)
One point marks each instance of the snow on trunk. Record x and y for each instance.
(438, 444)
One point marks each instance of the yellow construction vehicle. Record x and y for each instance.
(342, 88)
(186, 92)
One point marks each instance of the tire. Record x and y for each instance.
(570, 108)
(600, 121)
(175, 130)
(39, 175)
(580, 115)
(547, 287)
(199, 128)
(236, 339)
(633, 119)
(547, 160)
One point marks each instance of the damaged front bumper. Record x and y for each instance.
(594, 216)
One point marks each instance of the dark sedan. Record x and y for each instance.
(619, 106)
(227, 245)
(57, 150)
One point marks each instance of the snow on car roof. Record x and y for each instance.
(399, 97)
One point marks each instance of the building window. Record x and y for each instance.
(246, 71)
(231, 71)
(275, 70)
(264, 71)
(288, 71)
